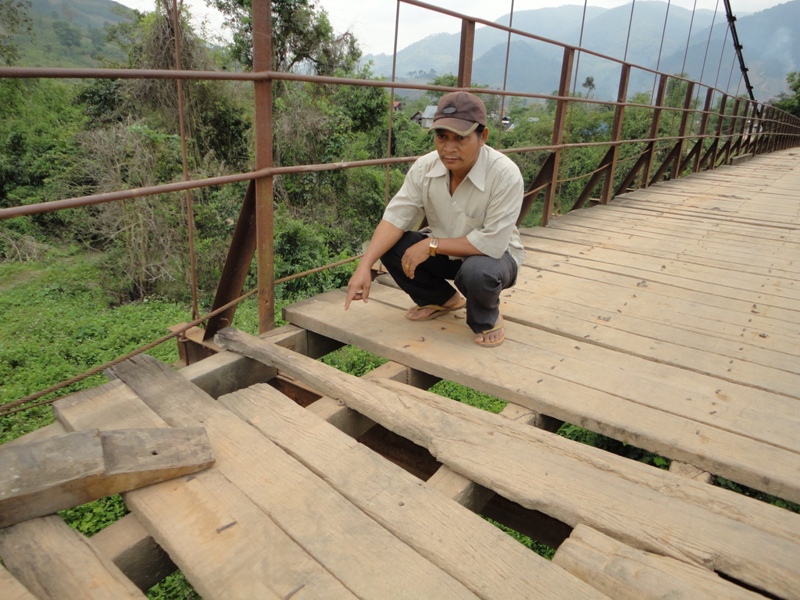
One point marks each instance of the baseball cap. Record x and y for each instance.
(459, 112)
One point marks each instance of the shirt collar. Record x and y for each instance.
(477, 174)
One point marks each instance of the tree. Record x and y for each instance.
(69, 35)
(588, 85)
(301, 36)
(13, 20)
(790, 102)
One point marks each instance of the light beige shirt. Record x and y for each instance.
(484, 207)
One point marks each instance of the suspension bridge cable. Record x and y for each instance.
(505, 75)
(721, 56)
(708, 44)
(630, 26)
(688, 39)
(580, 45)
(660, 50)
(738, 48)
(730, 75)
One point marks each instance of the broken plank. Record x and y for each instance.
(223, 543)
(624, 573)
(525, 371)
(368, 559)
(486, 560)
(41, 478)
(737, 536)
(57, 563)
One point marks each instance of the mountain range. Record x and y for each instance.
(697, 44)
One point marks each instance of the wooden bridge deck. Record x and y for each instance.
(669, 320)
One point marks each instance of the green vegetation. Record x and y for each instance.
(790, 102)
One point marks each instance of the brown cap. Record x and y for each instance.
(459, 112)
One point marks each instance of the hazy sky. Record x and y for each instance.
(373, 21)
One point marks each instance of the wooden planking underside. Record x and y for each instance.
(669, 319)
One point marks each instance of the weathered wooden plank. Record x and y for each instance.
(630, 219)
(638, 298)
(746, 263)
(61, 472)
(565, 306)
(732, 291)
(651, 341)
(43, 433)
(737, 536)
(487, 561)
(364, 556)
(222, 542)
(467, 492)
(129, 546)
(624, 573)
(57, 563)
(11, 589)
(529, 370)
(225, 372)
(635, 213)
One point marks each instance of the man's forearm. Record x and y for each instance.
(460, 246)
(385, 236)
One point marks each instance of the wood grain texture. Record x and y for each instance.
(489, 562)
(57, 563)
(624, 573)
(56, 473)
(367, 558)
(740, 537)
(11, 589)
(225, 545)
(676, 413)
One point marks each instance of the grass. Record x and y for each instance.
(58, 324)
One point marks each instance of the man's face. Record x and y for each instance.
(459, 153)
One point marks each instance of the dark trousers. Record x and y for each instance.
(480, 279)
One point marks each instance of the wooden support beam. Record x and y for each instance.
(40, 478)
(351, 546)
(624, 573)
(57, 563)
(135, 552)
(480, 499)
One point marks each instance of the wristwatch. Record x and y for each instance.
(434, 245)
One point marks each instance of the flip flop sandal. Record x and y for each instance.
(493, 344)
(496, 342)
(438, 311)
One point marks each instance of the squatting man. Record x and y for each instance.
(470, 196)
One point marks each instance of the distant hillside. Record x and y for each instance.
(771, 40)
(70, 33)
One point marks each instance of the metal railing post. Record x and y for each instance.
(655, 125)
(465, 53)
(262, 62)
(558, 131)
(616, 133)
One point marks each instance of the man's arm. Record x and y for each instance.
(386, 235)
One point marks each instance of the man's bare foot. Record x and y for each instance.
(431, 311)
(493, 337)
